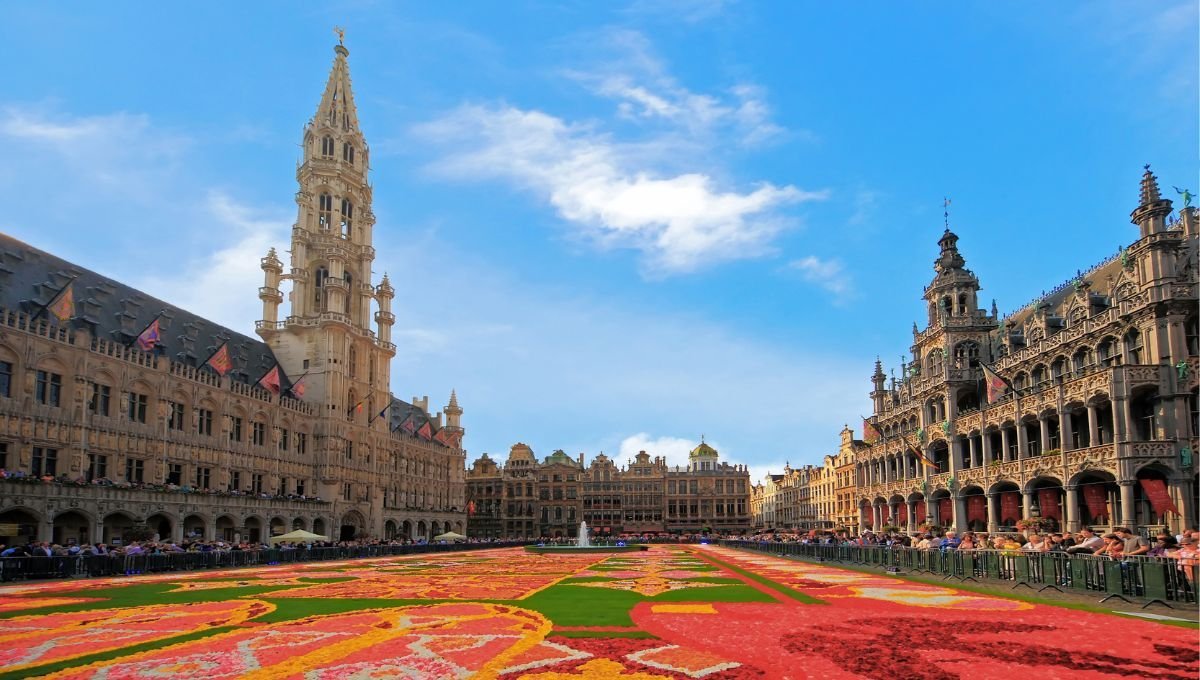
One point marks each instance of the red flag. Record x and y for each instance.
(149, 338)
(298, 388)
(994, 383)
(220, 361)
(426, 431)
(270, 381)
(470, 508)
(1159, 497)
(63, 306)
(410, 424)
(1048, 500)
(870, 432)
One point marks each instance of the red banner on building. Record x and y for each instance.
(920, 512)
(945, 512)
(902, 515)
(1097, 503)
(1010, 507)
(976, 508)
(1048, 500)
(1160, 498)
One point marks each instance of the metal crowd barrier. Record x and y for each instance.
(73, 566)
(1150, 579)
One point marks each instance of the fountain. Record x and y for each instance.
(583, 543)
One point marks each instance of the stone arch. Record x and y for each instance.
(72, 526)
(195, 526)
(278, 526)
(227, 528)
(300, 524)
(116, 526)
(458, 527)
(318, 526)
(389, 529)
(163, 524)
(25, 521)
(406, 529)
(421, 533)
(353, 525)
(435, 528)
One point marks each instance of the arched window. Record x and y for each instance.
(327, 146)
(324, 211)
(349, 288)
(962, 304)
(935, 361)
(1039, 374)
(348, 153)
(1133, 346)
(1058, 367)
(1080, 360)
(319, 287)
(347, 216)
(1191, 334)
(351, 361)
(966, 354)
(1020, 381)
(1107, 353)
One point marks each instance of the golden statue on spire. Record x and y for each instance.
(340, 33)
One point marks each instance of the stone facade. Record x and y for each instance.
(159, 442)
(811, 497)
(550, 498)
(1100, 412)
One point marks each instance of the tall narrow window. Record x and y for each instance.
(6, 370)
(347, 216)
(204, 421)
(135, 470)
(348, 152)
(1133, 346)
(100, 399)
(235, 429)
(45, 462)
(325, 211)
(97, 466)
(319, 288)
(327, 147)
(258, 433)
(135, 406)
(175, 420)
(48, 388)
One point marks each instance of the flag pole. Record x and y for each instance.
(53, 298)
(156, 318)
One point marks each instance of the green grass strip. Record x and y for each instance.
(773, 585)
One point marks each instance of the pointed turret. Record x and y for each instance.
(1152, 210)
(337, 109)
(879, 381)
(454, 416)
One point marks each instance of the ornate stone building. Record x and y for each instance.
(1099, 427)
(298, 430)
(548, 499)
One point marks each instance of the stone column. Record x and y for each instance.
(985, 438)
(955, 451)
(1127, 514)
(971, 451)
(1066, 431)
(1022, 441)
(912, 517)
(1072, 509)
(1093, 426)
(1044, 423)
(960, 513)
(993, 512)
(1004, 444)
(1026, 504)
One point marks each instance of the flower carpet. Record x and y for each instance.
(669, 612)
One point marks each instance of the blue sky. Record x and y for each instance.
(615, 225)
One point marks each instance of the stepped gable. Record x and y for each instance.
(113, 311)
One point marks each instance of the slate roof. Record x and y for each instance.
(31, 278)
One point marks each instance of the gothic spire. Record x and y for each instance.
(337, 109)
(1152, 210)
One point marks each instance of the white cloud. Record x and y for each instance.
(688, 11)
(680, 221)
(828, 274)
(630, 73)
(221, 284)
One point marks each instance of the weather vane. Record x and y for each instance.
(946, 211)
(340, 33)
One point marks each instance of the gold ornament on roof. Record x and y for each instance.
(340, 33)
